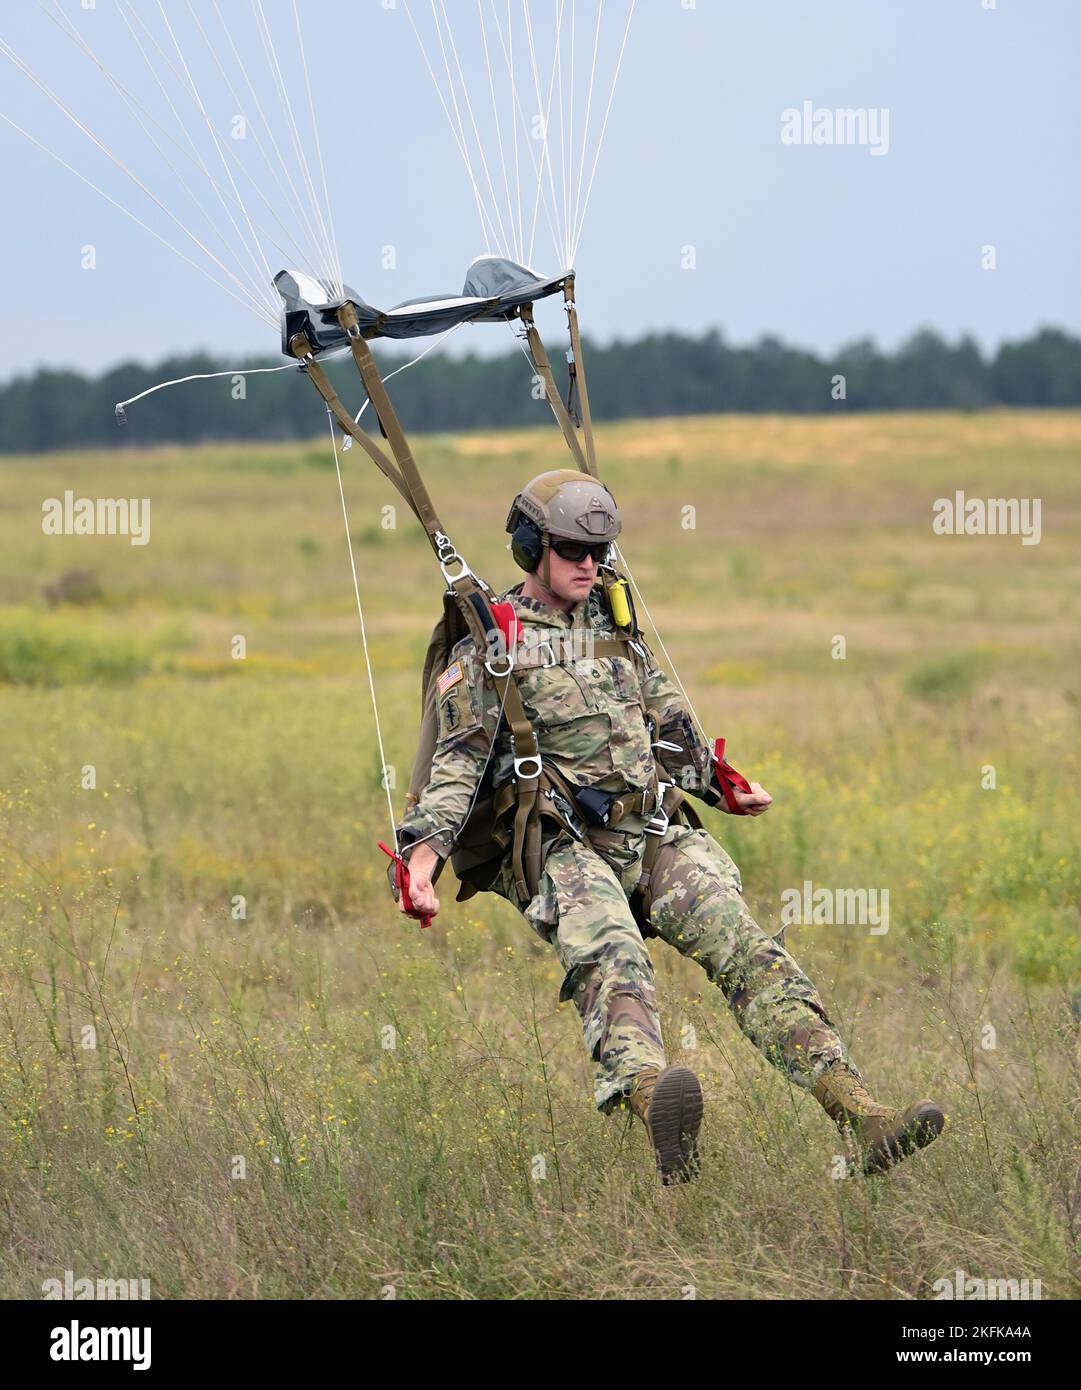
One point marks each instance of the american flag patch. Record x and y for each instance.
(451, 676)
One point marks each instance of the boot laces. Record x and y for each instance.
(641, 1094)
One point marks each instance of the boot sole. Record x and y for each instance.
(922, 1129)
(675, 1116)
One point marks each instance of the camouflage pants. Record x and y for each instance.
(582, 909)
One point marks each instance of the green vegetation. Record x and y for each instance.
(658, 375)
(200, 961)
(56, 649)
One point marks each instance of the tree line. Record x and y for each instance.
(656, 375)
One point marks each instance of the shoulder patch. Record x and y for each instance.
(451, 676)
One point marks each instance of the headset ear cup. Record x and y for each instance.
(526, 544)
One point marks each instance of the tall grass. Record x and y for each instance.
(228, 1066)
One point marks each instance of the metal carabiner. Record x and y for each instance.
(447, 556)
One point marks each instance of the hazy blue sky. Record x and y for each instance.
(816, 243)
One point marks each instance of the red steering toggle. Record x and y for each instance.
(401, 882)
(508, 622)
(726, 778)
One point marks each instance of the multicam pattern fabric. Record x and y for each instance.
(582, 909)
(588, 714)
(590, 719)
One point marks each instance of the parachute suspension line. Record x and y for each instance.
(197, 98)
(66, 27)
(513, 126)
(669, 664)
(507, 45)
(589, 110)
(278, 165)
(8, 52)
(503, 232)
(363, 632)
(458, 134)
(504, 240)
(318, 150)
(565, 246)
(570, 129)
(201, 376)
(245, 303)
(546, 157)
(260, 275)
(604, 128)
(347, 442)
(298, 148)
(305, 256)
(515, 227)
(323, 254)
(69, 30)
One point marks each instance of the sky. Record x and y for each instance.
(961, 209)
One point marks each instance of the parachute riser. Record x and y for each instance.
(301, 349)
(578, 434)
(577, 369)
(402, 471)
(389, 422)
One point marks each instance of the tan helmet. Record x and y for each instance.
(563, 503)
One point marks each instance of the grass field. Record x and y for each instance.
(316, 1099)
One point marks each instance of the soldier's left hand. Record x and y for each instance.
(754, 802)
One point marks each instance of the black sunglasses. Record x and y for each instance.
(578, 550)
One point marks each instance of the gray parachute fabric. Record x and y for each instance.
(494, 290)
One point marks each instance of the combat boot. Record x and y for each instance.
(669, 1104)
(885, 1135)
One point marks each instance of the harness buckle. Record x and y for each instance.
(506, 671)
(528, 767)
(520, 765)
(574, 821)
(661, 819)
(449, 558)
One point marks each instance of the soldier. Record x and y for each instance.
(617, 730)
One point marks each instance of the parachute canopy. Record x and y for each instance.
(494, 290)
(220, 148)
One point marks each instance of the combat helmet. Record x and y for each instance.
(563, 503)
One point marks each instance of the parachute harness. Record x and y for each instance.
(474, 598)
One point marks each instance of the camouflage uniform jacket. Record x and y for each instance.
(589, 715)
